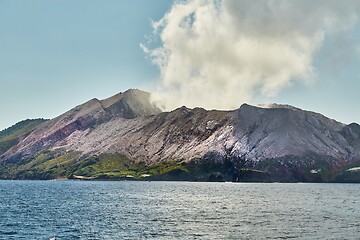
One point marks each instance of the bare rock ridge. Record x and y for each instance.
(277, 132)
(83, 118)
(130, 104)
(127, 136)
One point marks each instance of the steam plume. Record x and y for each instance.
(219, 54)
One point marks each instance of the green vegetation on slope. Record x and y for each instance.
(118, 166)
(51, 165)
(10, 136)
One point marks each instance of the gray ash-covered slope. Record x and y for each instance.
(293, 144)
(126, 136)
(82, 120)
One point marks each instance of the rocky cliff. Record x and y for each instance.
(125, 136)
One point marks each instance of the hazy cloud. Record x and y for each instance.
(219, 54)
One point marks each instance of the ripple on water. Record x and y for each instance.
(177, 210)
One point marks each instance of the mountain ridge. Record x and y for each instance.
(127, 132)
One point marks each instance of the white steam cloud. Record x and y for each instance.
(219, 54)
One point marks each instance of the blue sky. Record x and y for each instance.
(57, 54)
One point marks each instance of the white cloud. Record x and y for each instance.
(218, 54)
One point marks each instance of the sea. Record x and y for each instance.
(177, 210)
